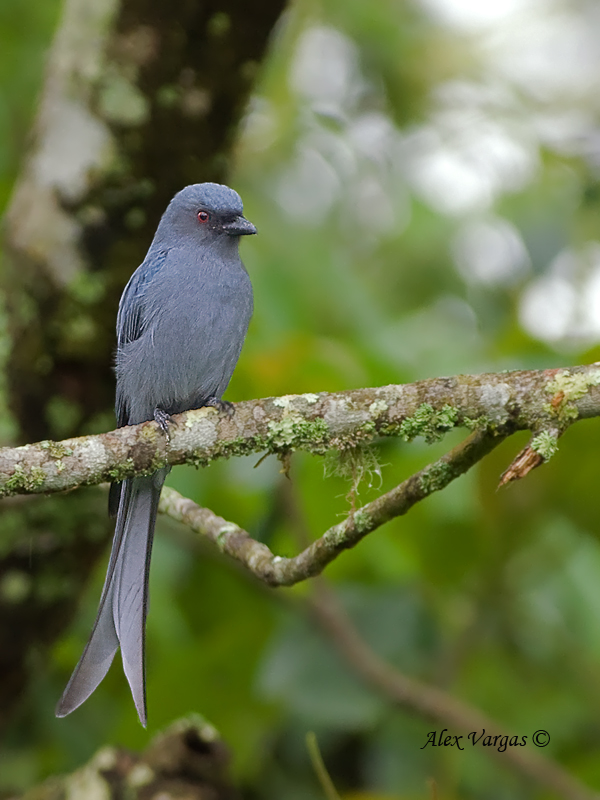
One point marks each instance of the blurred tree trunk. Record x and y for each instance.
(141, 97)
(187, 760)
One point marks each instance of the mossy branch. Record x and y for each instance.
(498, 403)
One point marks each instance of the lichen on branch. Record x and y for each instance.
(498, 403)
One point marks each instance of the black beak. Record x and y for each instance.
(239, 226)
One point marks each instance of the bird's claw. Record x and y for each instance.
(224, 406)
(162, 419)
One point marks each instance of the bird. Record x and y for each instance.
(181, 324)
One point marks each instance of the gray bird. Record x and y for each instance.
(181, 325)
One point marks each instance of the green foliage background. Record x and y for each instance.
(492, 595)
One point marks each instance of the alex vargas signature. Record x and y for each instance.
(444, 739)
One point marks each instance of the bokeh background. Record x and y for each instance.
(424, 178)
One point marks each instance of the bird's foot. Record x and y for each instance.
(224, 406)
(162, 419)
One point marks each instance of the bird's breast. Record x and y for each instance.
(190, 346)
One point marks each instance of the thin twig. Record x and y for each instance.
(280, 571)
(539, 450)
(319, 767)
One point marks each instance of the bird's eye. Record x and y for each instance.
(203, 216)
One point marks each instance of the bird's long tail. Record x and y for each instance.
(121, 619)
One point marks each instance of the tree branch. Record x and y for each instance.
(545, 402)
(279, 571)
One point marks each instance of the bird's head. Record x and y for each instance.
(206, 211)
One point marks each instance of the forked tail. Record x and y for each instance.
(121, 619)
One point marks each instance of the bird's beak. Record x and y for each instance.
(239, 226)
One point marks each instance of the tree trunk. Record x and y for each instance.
(141, 97)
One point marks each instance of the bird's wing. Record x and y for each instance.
(131, 319)
(131, 322)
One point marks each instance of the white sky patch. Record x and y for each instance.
(259, 126)
(443, 177)
(414, 339)
(490, 252)
(551, 55)
(375, 137)
(486, 94)
(372, 206)
(358, 166)
(473, 15)
(336, 148)
(462, 162)
(325, 69)
(308, 188)
(378, 199)
(537, 64)
(564, 304)
(547, 50)
(567, 131)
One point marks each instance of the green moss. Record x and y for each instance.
(545, 444)
(294, 432)
(197, 460)
(150, 434)
(158, 462)
(119, 474)
(125, 470)
(363, 521)
(366, 430)
(390, 429)
(429, 423)
(476, 423)
(24, 480)
(282, 402)
(361, 435)
(378, 407)
(436, 477)
(56, 450)
(224, 531)
(240, 446)
(566, 388)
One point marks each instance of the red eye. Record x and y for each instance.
(203, 216)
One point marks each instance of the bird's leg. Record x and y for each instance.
(224, 406)
(162, 419)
